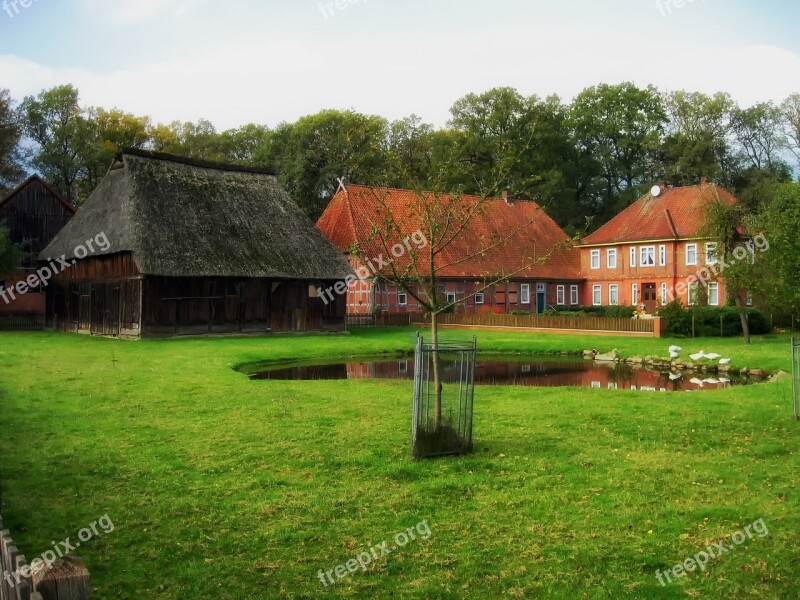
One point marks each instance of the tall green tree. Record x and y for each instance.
(56, 123)
(310, 154)
(779, 274)
(11, 170)
(526, 140)
(697, 142)
(618, 131)
(110, 131)
(241, 145)
(198, 140)
(790, 111)
(758, 131)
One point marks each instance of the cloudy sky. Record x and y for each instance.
(265, 61)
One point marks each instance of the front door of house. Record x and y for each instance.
(649, 297)
(541, 298)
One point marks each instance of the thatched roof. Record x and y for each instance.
(183, 218)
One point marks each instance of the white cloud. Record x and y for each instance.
(137, 10)
(275, 80)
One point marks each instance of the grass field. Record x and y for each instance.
(221, 487)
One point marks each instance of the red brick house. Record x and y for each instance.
(646, 253)
(351, 215)
(34, 213)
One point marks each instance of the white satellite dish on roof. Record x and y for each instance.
(655, 192)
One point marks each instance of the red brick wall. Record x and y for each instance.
(674, 273)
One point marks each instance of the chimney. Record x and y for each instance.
(507, 198)
(704, 180)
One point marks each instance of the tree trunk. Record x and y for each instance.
(743, 317)
(437, 372)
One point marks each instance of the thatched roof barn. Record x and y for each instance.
(199, 247)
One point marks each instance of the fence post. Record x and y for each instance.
(67, 579)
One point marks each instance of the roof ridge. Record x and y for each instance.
(194, 162)
(50, 188)
(409, 190)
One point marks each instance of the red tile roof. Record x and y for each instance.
(356, 210)
(677, 213)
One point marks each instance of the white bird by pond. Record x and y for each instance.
(724, 361)
(675, 376)
(675, 348)
(713, 356)
(673, 354)
(696, 381)
(698, 356)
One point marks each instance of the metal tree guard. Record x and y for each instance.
(796, 378)
(442, 419)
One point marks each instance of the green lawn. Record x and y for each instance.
(220, 487)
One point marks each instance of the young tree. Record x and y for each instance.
(446, 221)
(725, 223)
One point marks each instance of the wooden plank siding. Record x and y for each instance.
(108, 296)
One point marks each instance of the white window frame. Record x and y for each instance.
(693, 293)
(711, 249)
(480, 297)
(650, 252)
(664, 294)
(635, 294)
(611, 258)
(713, 288)
(597, 295)
(448, 296)
(633, 257)
(662, 255)
(525, 293)
(561, 295)
(594, 260)
(574, 295)
(749, 299)
(613, 295)
(402, 299)
(693, 248)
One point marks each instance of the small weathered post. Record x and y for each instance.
(66, 579)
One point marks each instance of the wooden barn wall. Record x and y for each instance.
(99, 295)
(34, 216)
(197, 306)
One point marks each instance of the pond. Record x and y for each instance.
(496, 370)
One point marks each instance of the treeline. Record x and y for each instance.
(582, 161)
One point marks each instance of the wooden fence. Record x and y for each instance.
(381, 320)
(66, 579)
(21, 322)
(614, 325)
